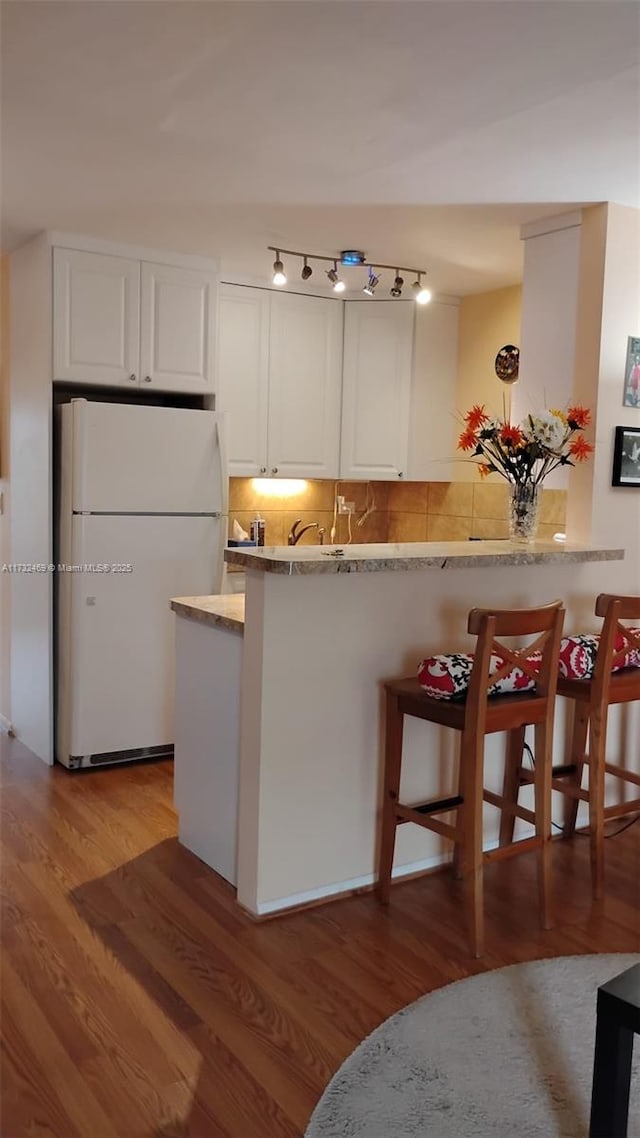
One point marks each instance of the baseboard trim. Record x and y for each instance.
(6, 726)
(352, 885)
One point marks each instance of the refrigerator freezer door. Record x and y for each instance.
(116, 629)
(128, 458)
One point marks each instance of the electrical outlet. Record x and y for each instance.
(345, 507)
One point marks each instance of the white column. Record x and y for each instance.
(549, 306)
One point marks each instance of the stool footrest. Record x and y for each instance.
(562, 770)
(512, 808)
(421, 815)
(514, 848)
(570, 790)
(439, 805)
(622, 773)
(621, 809)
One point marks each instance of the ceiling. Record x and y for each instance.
(422, 132)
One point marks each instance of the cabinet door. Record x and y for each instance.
(304, 386)
(96, 318)
(177, 328)
(242, 375)
(378, 348)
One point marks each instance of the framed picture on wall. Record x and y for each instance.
(626, 457)
(632, 373)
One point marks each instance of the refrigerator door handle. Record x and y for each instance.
(222, 456)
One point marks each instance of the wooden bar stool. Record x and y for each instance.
(615, 679)
(481, 713)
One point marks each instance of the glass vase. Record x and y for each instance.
(524, 503)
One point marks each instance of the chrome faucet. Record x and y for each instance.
(295, 534)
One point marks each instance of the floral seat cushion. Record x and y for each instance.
(447, 675)
(578, 655)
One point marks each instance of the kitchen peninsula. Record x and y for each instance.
(292, 697)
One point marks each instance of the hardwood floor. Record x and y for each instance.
(138, 1001)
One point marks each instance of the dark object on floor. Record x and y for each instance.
(618, 1018)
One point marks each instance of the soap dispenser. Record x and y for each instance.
(257, 530)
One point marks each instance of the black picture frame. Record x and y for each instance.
(626, 457)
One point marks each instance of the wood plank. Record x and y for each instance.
(140, 1000)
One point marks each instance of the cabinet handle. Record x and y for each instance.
(274, 469)
(132, 377)
(400, 474)
(263, 470)
(147, 379)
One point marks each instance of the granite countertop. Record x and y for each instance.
(390, 556)
(226, 611)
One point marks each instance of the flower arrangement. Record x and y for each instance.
(527, 453)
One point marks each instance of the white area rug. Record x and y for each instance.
(507, 1054)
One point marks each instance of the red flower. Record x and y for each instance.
(484, 470)
(476, 417)
(512, 436)
(468, 439)
(578, 417)
(580, 449)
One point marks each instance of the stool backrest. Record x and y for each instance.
(614, 609)
(539, 660)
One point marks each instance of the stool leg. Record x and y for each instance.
(576, 758)
(392, 766)
(542, 786)
(463, 793)
(470, 860)
(597, 739)
(511, 784)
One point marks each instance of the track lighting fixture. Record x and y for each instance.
(351, 258)
(279, 276)
(338, 285)
(422, 295)
(397, 285)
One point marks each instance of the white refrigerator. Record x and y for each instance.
(142, 518)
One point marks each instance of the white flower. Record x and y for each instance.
(547, 429)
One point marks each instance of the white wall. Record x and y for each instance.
(5, 578)
(548, 333)
(609, 310)
(30, 528)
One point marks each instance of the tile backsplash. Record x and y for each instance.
(404, 511)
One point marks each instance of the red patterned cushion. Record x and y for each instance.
(578, 655)
(447, 676)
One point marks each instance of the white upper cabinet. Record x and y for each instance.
(96, 318)
(376, 397)
(279, 362)
(176, 328)
(126, 322)
(305, 366)
(242, 370)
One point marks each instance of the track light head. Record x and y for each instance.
(397, 285)
(306, 270)
(421, 294)
(371, 284)
(338, 285)
(279, 275)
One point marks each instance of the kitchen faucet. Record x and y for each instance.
(295, 534)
